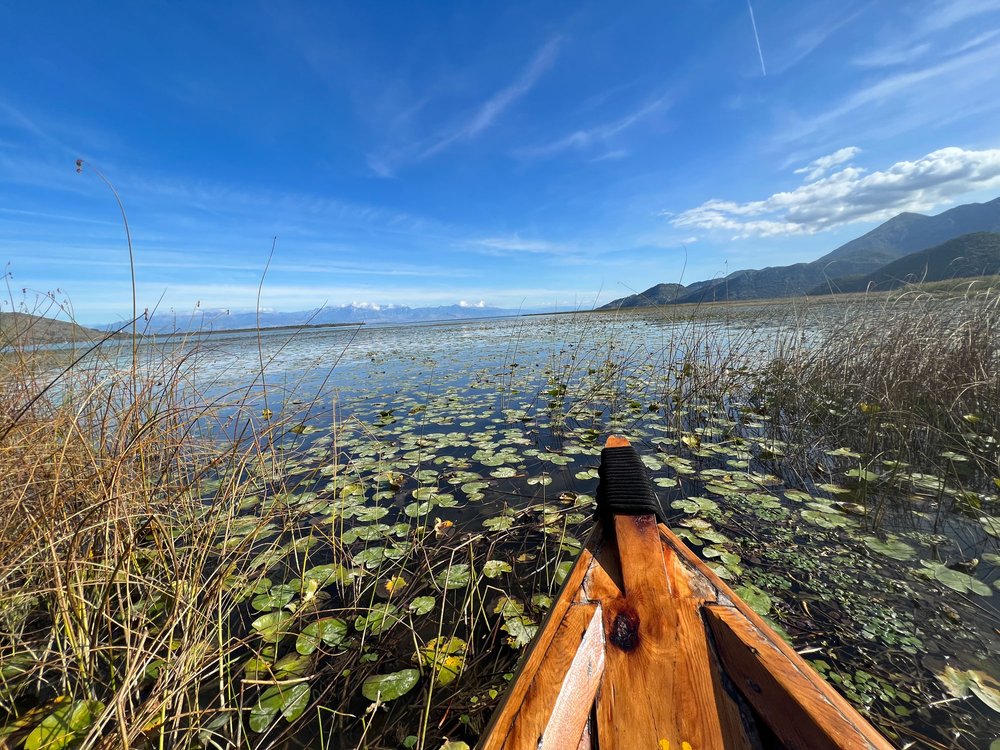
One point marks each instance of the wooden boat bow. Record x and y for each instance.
(646, 647)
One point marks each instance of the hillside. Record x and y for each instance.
(661, 294)
(22, 329)
(900, 236)
(976, 254)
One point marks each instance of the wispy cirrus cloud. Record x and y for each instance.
(385, 164)
(927, 33)
(597, 136)
(515, 244)
(851, 195)
(818, 167)
(904, 101)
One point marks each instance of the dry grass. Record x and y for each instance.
(911, 378)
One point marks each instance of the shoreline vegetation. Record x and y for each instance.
(192, 561)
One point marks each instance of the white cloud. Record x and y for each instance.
(597, 135)
(464, 303)
(852, 195)
(818, 167)
(492, 108)
(515, 244)
(930, 23)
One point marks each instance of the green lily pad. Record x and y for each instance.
(455, 577)
(496, 568)
(388, 687)
(445, 657)
(273, 625)
(954, 579)
(755, 598)
(290, 700)
(961, 684)
(378, 620)
(421, 605)
(329, 630)
(64, 726)
(862, 475)
(498, 523)
(892, 547)
(276, 598)
(327, 574)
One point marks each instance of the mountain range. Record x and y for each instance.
(976, 254)
(218, 320)
(900, 236)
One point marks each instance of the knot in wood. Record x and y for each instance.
(625, 630)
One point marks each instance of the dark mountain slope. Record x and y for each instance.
(22, 329)
(976, 254)
(661, 294)
(899, 236)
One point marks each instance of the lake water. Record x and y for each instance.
(496, 425)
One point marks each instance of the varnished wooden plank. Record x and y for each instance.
(503, 718)
(571, 709)
(726, 597)
(782, 692)
(586, 739)
(658, 687)
(603, 581)
(698, 667)
(557, 703)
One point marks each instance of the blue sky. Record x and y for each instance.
(538, 154)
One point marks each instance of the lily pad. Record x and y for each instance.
(273, 625)
(498, 523)
(389, 687)
(377, 621)
(755, 598)
(455, 577)
(496, 568)
(64, 726)
(961, 684)
(421, 605)
(290, 700)
(329, 630)
(445, 657)
(892, 547)
(276, 598)
(954, 579)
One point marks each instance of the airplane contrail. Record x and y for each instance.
(760, 52)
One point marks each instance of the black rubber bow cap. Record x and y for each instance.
(624, 488)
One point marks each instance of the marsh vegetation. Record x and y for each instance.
(344, 538)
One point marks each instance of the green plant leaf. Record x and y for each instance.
(327, 574)
(496, 568)
(498, 523)
(892, 547)
(329, 630)
(455, 577)
(378, 621)
(275, 598)
(63, 726)
(954, 579)
(273, 625)
(290, 700)
(421, 605)
(389, 687)
(971, 682)
(445, 657)
(755, 598)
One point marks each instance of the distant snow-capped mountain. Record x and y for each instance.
(368, 313)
